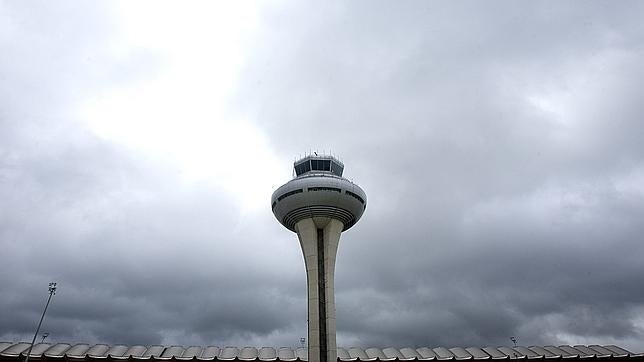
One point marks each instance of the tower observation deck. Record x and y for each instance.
(319, 204)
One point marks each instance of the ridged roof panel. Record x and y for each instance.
(117, 350)
(572, 351)
(172, 351)
(77, 350)
(286, 354)
(617, 351)
(443, 353)
(248, 353)
(410, 353)
(15, 349)
(154, 351)
(477, 353)
(136, 351)
(210, 352)
(302, 353)
(98, 350)
(192, 351)
(426, 353)
(374, 353)
(58, 349)
(494, 352)
(557, 351)
(267, 354)
(393, 353)
(586, 351)
(460, 353)
(86, 351)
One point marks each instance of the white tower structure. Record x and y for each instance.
(319, 204)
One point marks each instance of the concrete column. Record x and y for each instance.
(319, 240)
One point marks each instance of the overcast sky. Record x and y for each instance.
(501, 146)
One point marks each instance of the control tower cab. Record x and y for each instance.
(320, 192)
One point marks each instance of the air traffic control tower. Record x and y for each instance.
(319, 204)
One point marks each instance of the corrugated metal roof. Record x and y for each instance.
(83, 351)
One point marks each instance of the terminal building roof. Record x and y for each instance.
(15, 352)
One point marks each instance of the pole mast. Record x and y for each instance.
(52, 291)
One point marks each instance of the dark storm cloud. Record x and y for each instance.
(490, 214)
(140, 257)
(499, 145)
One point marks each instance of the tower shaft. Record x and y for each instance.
(319, 240)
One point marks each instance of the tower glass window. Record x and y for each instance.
(299, 169)
(321, 165)
(318, 164)
(336, 168)
(303, 167)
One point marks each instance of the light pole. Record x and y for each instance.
(52, 291)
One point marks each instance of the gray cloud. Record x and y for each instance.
(489, 217)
